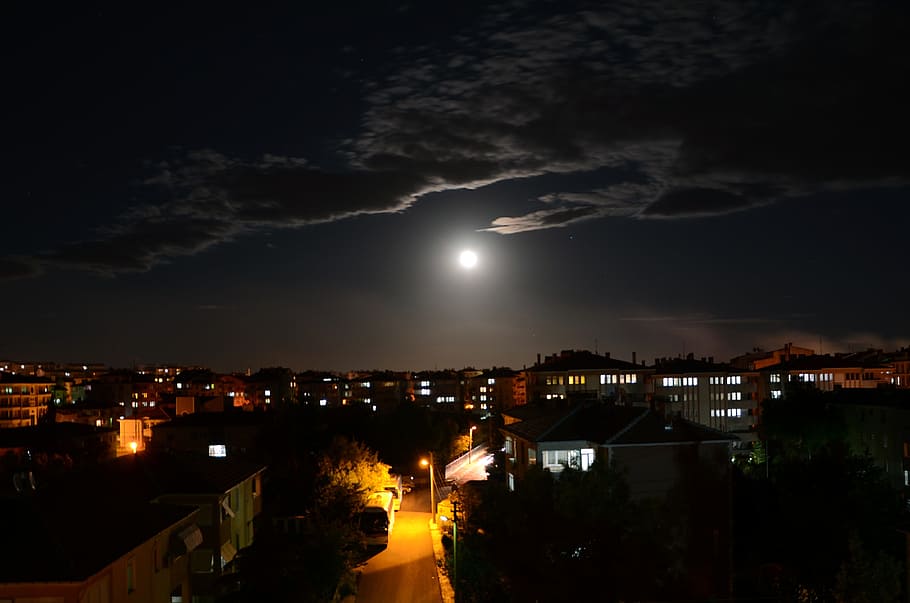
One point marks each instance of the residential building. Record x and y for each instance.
(712, 394)
(637, 439)
(429, 388)
(323, 389)
(496, 389)
(758, 359)
(51, 447)
(228, 434)
(661, 457)
(275, 385)
(581, 375)
(878, 425)
(225, 493)
(826, 373)
(108, 549)
(378, 390)
(24, 399)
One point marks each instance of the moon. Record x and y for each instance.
(467, 259)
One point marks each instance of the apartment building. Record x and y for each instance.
(96, 549)
(712, 394)
(23, 399)
(581, 375)
(494, 390)
(826, 373)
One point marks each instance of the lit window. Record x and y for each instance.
(424, 391)
(735, 396)
(776, 394)
(217, 450)
(775, 377)
(323, 402)
(424, 384)
(491, 381)
(268, 392)
(734, 380)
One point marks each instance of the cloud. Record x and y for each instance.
(758, 103)
(698, 109)
(213, 199)
(16, 268)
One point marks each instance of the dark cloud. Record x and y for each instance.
(705, 107)
(16, 268)
(697, 202)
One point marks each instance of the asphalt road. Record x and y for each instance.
(404, 572)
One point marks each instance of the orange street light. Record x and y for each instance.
(134, 446)
(426, 463)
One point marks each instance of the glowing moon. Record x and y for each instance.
(467, 259)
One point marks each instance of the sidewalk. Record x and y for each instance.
(445, 586)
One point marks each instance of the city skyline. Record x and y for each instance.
(294, 187)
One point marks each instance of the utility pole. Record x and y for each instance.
(455, 549)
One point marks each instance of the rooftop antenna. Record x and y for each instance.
(595, 346)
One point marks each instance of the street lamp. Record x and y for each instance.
(471, 449)
(426, 463)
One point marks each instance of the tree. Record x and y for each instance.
(802, 423)
(346, 473)
(867, 577)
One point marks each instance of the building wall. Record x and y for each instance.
(726, 401)
(23, 403)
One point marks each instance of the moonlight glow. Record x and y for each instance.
(467, 259)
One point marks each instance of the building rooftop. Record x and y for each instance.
(819, 362)
(52, 539)
(608, 424)
(690, 364)
(578, 360)
(149, 475)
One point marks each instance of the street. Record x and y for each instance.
(406, 570)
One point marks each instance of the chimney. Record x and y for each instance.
(711, 359)
(538, 358)
(606, 354)
(633, 358)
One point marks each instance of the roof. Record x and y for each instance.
(231, 417)
(48, 435)
(54, 541)
(580, 360)
(149, 475)
(690, 364)
(612, 425)
(502, 372)
(6, 377)
(818, 362)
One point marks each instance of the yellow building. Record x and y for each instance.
(23, 399)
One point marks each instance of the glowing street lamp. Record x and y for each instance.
(426, 463)
(134, 446)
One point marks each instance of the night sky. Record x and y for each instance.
(249, 187)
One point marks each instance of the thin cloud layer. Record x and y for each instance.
(700, 109)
